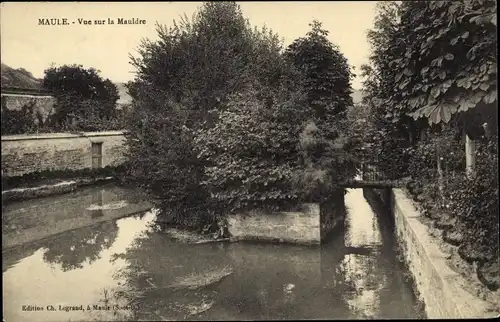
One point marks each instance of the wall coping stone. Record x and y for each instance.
(28, 95)
(45, 136)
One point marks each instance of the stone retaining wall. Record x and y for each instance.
(311, 225)
(441, 289)
(22, 154)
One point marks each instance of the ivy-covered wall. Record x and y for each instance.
(43, 105)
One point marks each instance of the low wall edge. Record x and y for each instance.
(428, 264)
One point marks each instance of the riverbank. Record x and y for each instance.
(49, 183)
(445, 283)
(50, 188)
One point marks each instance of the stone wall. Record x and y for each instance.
(43, 105)
(309, 225)
(23, 154)
(442, 289)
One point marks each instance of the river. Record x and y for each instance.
(98, 255)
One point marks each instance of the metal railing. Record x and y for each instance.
(373, 172)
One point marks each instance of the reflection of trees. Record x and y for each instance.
(13, 255)
(151, 264)
(367, 276)
(75, 247)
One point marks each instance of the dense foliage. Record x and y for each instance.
(448, 64)
(465, 207)
(475, 203)
(29, 120)
(81, 94)
(327, 73)
(220, 118)
(251, 153)
(182, 81)
(431, 81)
(163, 161)
(388, 131)
(84, 102)
(199, 63)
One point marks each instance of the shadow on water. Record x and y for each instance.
(132, 263)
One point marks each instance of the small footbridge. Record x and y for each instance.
(370, 177)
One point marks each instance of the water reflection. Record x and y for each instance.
(91, 283)
(32, 220)
(81, 246)
(97, 200)
(362, 270)
(132, 263)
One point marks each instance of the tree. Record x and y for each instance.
(327, 77)
(446, 67)
(205, 60)
(184, 80)
(435, 62)
(449, 61)
(326, 71)
(83, 245)
(80, 92)
(390, 129)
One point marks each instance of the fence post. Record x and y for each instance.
(440, 173)
(470, 156)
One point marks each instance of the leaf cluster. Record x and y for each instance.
(448, 62)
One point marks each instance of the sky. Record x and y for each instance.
(34, 47)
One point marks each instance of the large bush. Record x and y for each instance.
(252, 152)
(270, 153)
